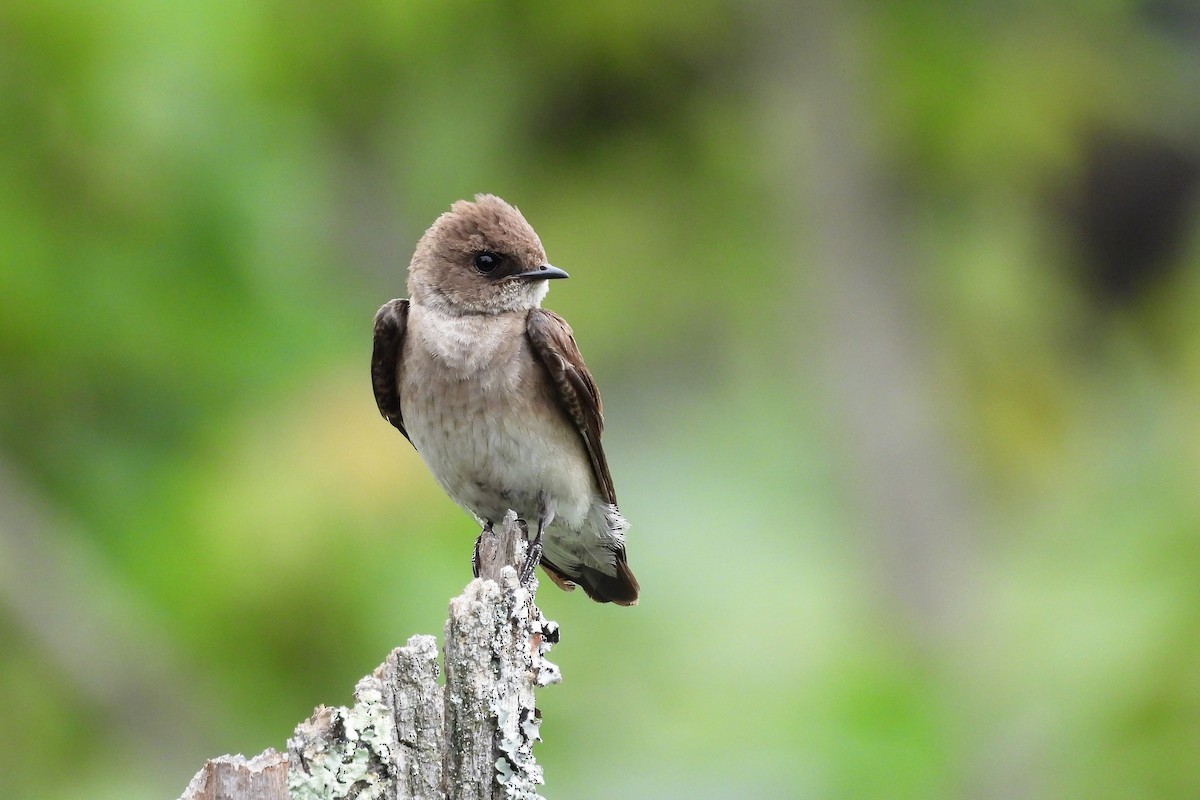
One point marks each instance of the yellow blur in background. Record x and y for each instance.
(893, 307)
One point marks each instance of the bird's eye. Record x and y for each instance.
(486, 262)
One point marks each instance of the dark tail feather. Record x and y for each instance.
(621, 589)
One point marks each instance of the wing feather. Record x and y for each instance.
(390, 324)
(554, 345)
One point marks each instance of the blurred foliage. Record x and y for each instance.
(202, 205)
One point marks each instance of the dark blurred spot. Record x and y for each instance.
(1130, 214)
(593, 100)
(1179, 19)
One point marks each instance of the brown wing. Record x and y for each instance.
(390, 324)
(555, 347)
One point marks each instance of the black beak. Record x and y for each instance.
(543, 273)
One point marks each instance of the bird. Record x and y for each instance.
(493, 393)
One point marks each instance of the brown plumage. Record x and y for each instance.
(494, 394)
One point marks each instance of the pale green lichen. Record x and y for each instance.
(512, 701)
(354, 753)
(359, 762)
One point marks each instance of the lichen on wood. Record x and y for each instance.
(406, 737)
(496, 641)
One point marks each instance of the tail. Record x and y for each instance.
(621, 588)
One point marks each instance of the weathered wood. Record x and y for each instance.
(263, 777)
(407, 738)
(412, 674)
(496, 640)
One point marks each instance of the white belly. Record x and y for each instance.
(476, 407)
(488, 464)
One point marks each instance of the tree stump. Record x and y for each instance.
(407, 737)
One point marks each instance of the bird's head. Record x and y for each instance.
(480, 257)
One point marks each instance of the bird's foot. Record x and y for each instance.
(533, 551)
(533, 557)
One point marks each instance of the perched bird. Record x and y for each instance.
(492, 391)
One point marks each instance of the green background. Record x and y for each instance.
(893, 306)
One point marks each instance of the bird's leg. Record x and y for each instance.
(487, 528)
(533, 556)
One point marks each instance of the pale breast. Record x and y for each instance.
(480, 412)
